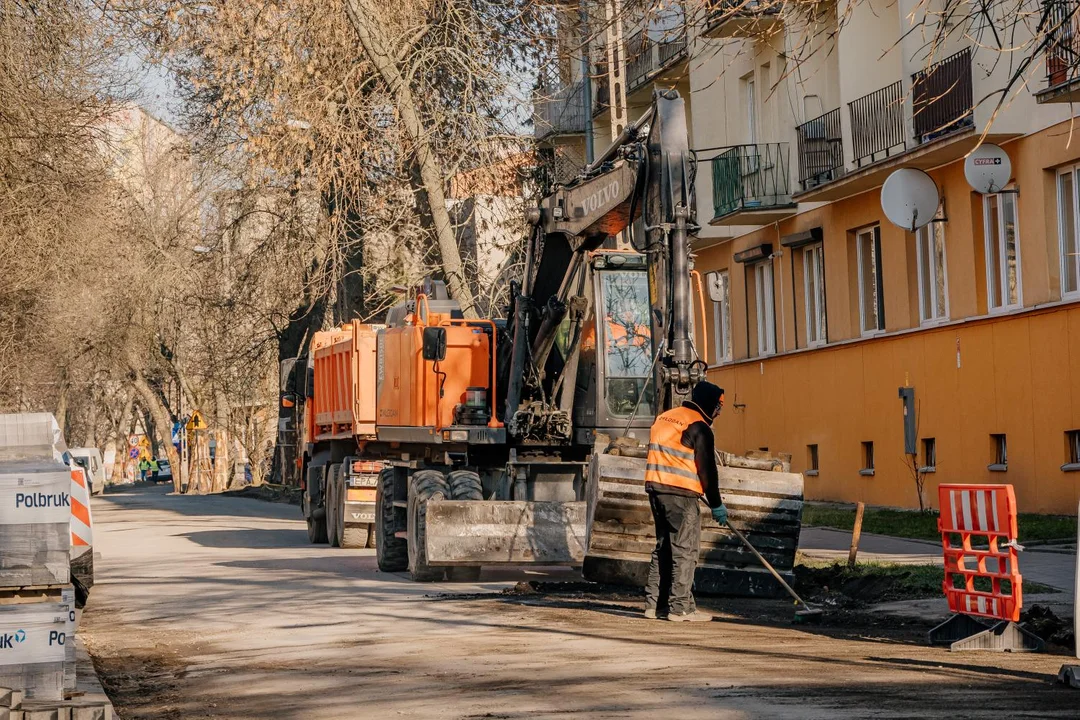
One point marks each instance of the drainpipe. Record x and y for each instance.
(783, 308)
(586, 78)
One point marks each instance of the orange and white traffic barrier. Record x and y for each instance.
(978, 525)
(82, 527)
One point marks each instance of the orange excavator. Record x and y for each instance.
(449, 443)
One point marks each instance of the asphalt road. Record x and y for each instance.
(217, 607)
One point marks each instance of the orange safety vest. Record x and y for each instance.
(670, 462)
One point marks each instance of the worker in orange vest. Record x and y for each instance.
(681, 469)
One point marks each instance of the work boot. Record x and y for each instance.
(696, 616)
(651, 614)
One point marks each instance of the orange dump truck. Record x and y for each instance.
(376, 409)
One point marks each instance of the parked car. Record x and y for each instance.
(164, 471)
(90, 461)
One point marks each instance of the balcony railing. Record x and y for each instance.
(821, 150)
(1063, 42)
(561, 112)
(750, 177)
(739, 18)
(877, 124)
(646, 57)
(942, 97)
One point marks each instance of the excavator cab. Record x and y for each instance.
(615, 388)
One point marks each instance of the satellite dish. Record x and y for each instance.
(716, 286)
(910, 198)
(988, 169)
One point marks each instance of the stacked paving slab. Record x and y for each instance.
(37, 600)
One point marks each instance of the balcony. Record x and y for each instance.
(942, 98)
(751, 185)
(559, 113)
(877, 124)
(821, 150)
(740, 18)
(1062, 52)
(647, 58)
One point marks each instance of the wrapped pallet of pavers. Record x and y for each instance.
(35, 503)
(67, 598)
(30, 437)
(33, 643)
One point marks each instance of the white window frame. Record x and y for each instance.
(1073, 172)
(751, 109)
(997, 235)
(875, 232)
(924, 238)
(722, 321)
(814, 268)
(765, 302)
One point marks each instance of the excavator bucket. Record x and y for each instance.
(494, 532)
(766, 505)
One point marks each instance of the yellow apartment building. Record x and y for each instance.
(821, 309)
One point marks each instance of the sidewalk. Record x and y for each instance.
(1052, 568)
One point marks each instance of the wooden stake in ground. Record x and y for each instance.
(855, 533)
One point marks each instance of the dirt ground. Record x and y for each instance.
(218, 608)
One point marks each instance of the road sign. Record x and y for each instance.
(196, 422)
(133, 453)
(133, 440)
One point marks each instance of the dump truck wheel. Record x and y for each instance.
(316, 529)
(391, 553)
(354, 537)
(371, 535)
(333, 534)
(427, 485)
(464, 485)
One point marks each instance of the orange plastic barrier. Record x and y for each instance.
(985, 514)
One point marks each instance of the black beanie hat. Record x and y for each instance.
(707, 397)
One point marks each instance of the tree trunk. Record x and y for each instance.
(345, 211)
(90, 436)
(162, 421)
(62, 406)
(120, 435)
(431, 172)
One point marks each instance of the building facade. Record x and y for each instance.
(822, 310)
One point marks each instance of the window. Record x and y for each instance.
(868, 459)
(1002, 251)
(1072, 450)
(814, 284)
(930, 254)
(929, 455)
(811, 459)
(627, 333)
(720, 292)
(1000, 453)
(871, 300)
(766, 310)
(751, 111)
(1068, 225)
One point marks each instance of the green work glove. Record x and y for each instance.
(719, 514)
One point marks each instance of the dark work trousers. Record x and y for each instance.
(678, 540)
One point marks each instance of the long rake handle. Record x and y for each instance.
(768, 566)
